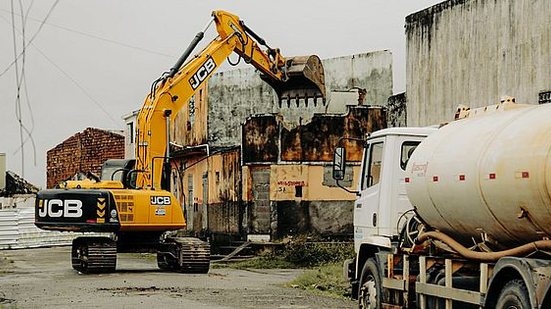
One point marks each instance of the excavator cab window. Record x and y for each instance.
(118, 170)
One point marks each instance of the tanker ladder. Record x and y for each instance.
(94, 254)
(184, 254)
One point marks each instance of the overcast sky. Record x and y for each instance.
(93, 61)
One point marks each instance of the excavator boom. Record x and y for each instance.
(293, 78)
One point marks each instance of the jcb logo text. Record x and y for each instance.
(58, 208)
(160, 200)
(202, 73)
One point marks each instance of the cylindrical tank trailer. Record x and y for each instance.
(487, 177)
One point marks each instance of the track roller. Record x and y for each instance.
(184, 254)
(94, 254)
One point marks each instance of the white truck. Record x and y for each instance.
(457, 216)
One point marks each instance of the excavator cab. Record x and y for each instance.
(305, 81)
(121, 170)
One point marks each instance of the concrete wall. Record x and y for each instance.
(235, 95)
(209, 189)
(473, 52)
(287, 183)
(190, 125)
(397, 110)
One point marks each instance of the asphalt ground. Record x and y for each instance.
(43, 278)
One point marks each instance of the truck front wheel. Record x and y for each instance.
(370, 286)
(514, 295)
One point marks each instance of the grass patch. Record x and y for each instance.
(298, 252)
(325, 280)
(322, 261)
(261, 262)
(305, 253)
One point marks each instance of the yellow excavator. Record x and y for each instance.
(132, 199)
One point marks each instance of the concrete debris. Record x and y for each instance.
(15, 184)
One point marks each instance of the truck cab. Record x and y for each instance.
(382, 199)
(382, 203)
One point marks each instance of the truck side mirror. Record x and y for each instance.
(339, 163)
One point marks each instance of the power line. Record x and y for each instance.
(74, 81)
(97, 37)
(17, 97)
(32, 38)
(78, 85)
(22, 82)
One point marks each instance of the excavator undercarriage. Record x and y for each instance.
(178, 254)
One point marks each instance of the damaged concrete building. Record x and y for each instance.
(287, 171)
(244, 164)
(473, 53)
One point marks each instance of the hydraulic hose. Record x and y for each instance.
(523, 250)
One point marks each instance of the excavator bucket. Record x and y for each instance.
(305, 81)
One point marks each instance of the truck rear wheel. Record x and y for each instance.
(370, 286)
(514, 295)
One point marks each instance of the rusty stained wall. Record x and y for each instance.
(237, 94)
(190, 125)
(303, 198)
(474, 52)
(218, 208)
(266, 138)
(316, 140)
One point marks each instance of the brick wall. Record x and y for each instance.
(83, 152)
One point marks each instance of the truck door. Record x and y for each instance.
(366, 210)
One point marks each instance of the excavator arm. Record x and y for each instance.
(292, 78)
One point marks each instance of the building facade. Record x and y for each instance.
(473, 52)
(225, 191)
(287, 172)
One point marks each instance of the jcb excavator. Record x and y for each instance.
(132, 200)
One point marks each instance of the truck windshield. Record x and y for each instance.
(372, 170)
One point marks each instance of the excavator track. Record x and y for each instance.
(94, 255)
(184, 254)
